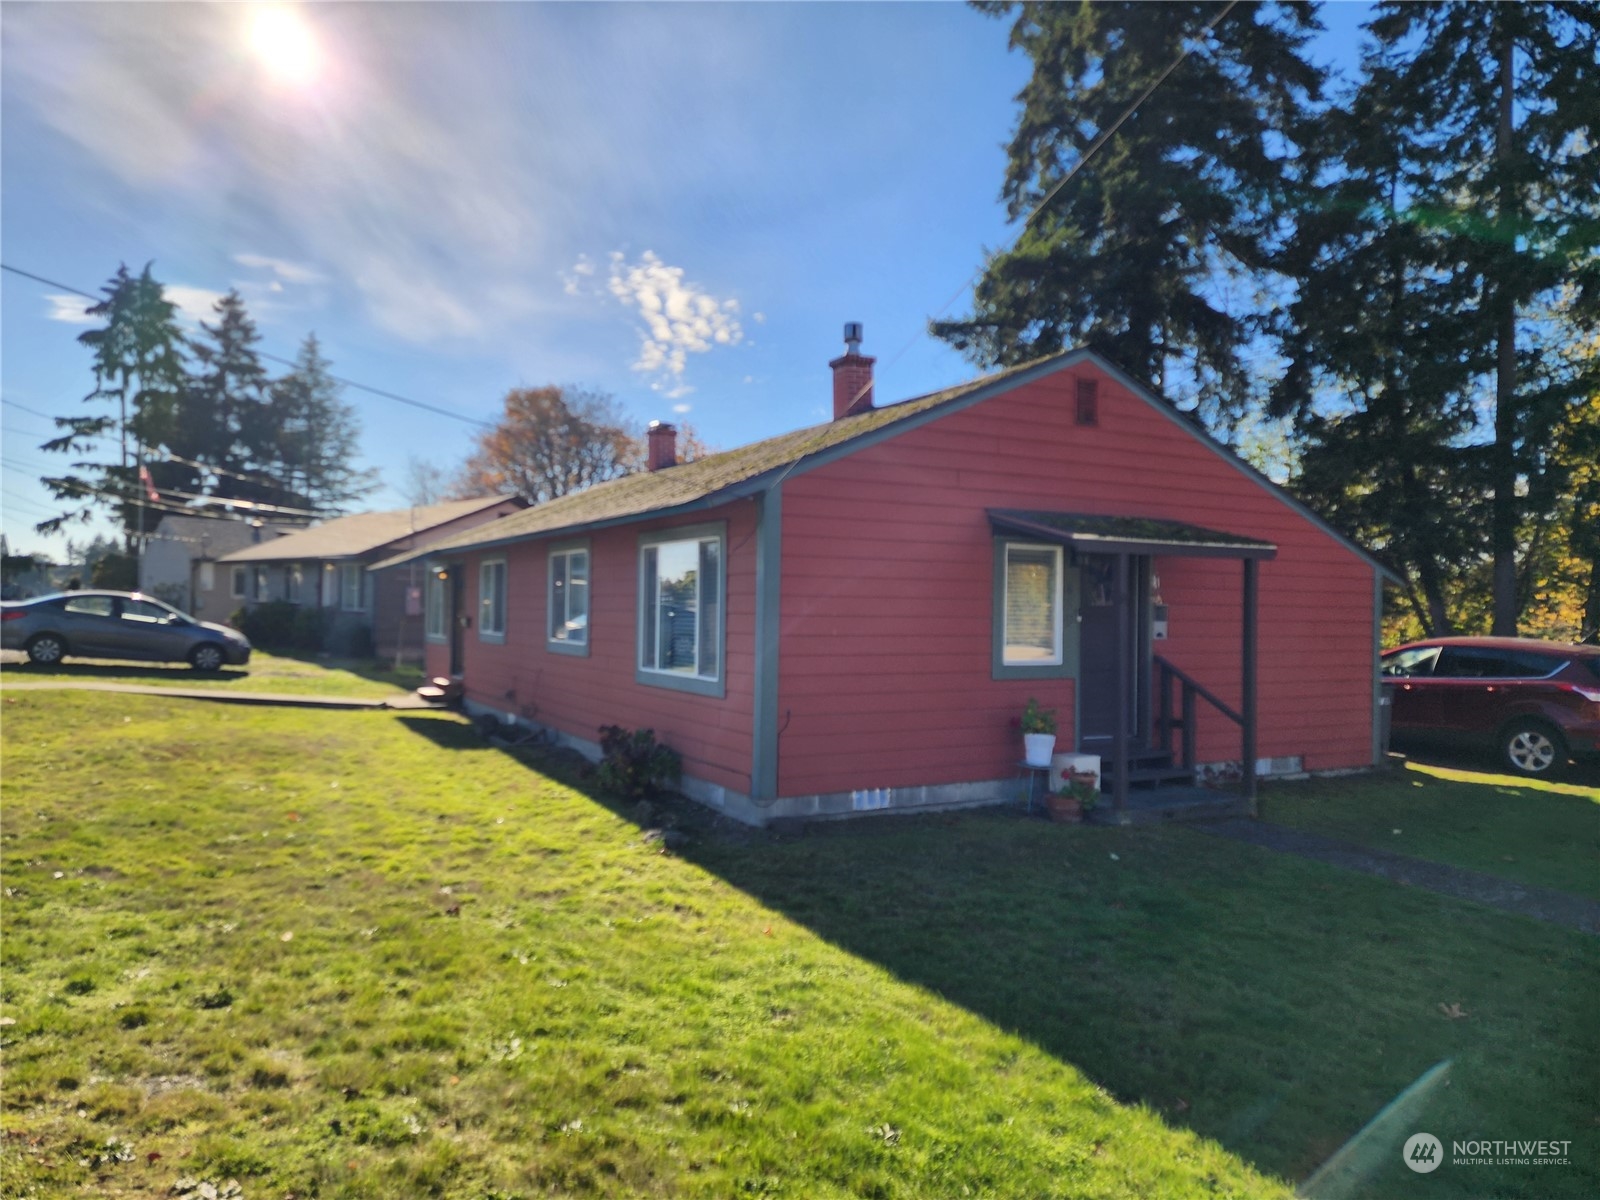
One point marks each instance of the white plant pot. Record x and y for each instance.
(1037, 748)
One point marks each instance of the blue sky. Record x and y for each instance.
(463, 198)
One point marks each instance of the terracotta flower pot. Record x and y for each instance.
(1064, 810)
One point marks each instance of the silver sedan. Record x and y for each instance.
(117, 625)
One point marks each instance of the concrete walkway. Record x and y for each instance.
(1542, 904)
(409, 700)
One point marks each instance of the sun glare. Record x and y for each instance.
(285, 46)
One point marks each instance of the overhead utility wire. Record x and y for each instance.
(1083, 159)
(288, 362)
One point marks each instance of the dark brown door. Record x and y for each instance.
(1097, 650)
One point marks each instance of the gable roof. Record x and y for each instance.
(211, 537)
(353, 536)
(752, 469)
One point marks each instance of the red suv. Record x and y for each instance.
(1536, 703)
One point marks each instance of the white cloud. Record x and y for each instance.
(69, 309)
(760, 318)
(289, 272)
(680, 409)
(195, 304)
(680, 318)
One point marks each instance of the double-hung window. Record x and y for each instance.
(681, 600)
(1030, 601)
(492, 600)
(568, 629)
(239, 583)
(434, 605)
(352, 592)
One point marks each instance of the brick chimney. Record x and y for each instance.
(663, 445)
(852, 376)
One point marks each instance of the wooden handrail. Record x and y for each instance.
(1194, 685)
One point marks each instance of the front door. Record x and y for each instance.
(458, 616)
(1097, 651)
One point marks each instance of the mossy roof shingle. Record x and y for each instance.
(704, 480)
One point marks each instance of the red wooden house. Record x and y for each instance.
(849, 617)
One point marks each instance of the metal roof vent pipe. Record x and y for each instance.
(663, 445)
(852, 376)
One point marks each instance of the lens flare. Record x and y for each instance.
(285, 46)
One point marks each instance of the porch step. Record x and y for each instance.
(1147, 768)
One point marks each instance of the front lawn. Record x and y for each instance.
(285, 674)
(1544, 834)
(366, 955)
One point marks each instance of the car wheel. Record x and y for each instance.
(206, 657)
(1532, 748)
(46, 650)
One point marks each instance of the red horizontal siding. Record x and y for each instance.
(887, 577)
(577, 695)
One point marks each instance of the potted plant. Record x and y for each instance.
(1079, 793)
(1038, 734)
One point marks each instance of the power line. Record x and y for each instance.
(288, 362)
(1094, 146)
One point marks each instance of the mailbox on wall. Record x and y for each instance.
(1158, 621)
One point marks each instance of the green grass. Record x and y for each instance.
(285, 674)
(1544, 834)
(365, 955)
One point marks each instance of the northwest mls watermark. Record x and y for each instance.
(1424, 1153)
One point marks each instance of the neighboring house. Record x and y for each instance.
(850, 617)
(179, 563)
(330, 566)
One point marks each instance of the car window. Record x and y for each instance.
(1410, 662)
(144, 612)
(94, 606)
(1485, 662)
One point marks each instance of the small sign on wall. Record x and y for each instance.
(413, 602)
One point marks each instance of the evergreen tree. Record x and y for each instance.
(1455, 243)
(222, 422)
(1180, 208)
(313, 438)
(138, 367)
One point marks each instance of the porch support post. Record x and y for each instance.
(1248, 689)
(1123, 665)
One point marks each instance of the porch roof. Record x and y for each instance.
(1096, 534)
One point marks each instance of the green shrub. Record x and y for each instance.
(633, 765)
(309, 630)
(270, 625)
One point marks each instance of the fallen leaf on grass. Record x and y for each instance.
(1454, 1011)
(286, 937)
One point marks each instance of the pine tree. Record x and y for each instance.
(1456, 239)
(313, 438)
(222, 420)
(1180, 207)
(139, 367)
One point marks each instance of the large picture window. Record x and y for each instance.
(1031, 595)
(492, 600)
(680, 611)
(568, 630)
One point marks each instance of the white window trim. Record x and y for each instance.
(360, 577)
(555, 645)
(486, 631)
(1062, 663)
(705, 685)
